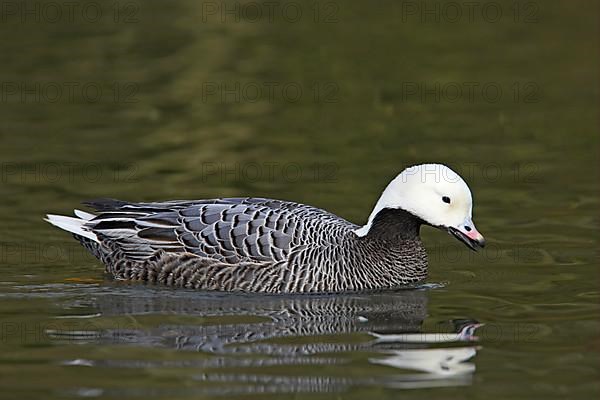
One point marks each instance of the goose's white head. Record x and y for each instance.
(435, 194)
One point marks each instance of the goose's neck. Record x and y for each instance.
(393, 225)
(392, 249)
(389, 199)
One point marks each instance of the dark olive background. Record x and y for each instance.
(155, 114)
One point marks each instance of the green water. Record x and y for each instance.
(185, 99)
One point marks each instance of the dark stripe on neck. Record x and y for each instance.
(395, 224)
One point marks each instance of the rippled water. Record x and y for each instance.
(179, 100)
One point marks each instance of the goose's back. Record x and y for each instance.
(229, 236)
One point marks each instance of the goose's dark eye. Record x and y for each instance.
(446, 199)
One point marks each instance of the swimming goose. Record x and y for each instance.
(275, 246)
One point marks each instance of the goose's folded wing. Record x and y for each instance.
(228, 230)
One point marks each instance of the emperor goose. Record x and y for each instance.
(276, 246)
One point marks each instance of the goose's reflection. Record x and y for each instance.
(250, 331)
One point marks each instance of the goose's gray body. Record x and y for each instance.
(252, 244)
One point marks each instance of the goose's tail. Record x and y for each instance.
(75, 225)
